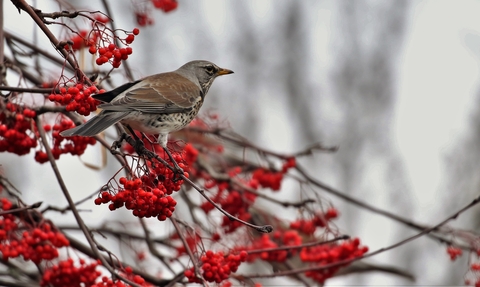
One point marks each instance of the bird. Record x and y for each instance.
(157, 104)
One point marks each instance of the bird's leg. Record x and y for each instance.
(178, 169)
(138, 144)
(163, 140)
(118, 143)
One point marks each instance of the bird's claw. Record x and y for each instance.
(177, 173)
(141, 150)
(118, 144)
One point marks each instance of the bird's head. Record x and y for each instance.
(205, 72)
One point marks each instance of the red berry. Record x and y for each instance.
(92, 50)
(130, 38)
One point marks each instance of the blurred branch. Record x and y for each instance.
(116, 263)
(3, 69)
(27, 90)
(188, 250)
(151, 246)
(21, 4)
(376, 210)
(126, 64)
(371, 254)
(362, 267)
(53, 58)
(305, 245)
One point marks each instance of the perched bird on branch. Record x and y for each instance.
(158, 104)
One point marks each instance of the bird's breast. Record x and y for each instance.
(161, 123)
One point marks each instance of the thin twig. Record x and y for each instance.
(310, 244)
(21, 209)
(188, 250)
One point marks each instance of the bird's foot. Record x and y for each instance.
(139, 147)
(177, 170)
(118, 144)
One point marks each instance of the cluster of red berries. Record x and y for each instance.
(111, 53)
(169, 179)
(101, 18)
(65, 273)
(327, 254)
(139, 196)
(272, 179)
(8, 222)
(288, 238)
(454, 252)
(108, 282)
(40, 243)
(232, 201)
(17, 129)
(165, 5)
(142, 12)
(75, 145)
(216, 267)
(144, 19)
(475, 270)
(77, 98)
(268, 179)
(18, 134)
(265, 242)
(237, 205)
(279, 238)
(190, 154)
(114, 54)
(308, 226)
(82, 40)
(17, 238)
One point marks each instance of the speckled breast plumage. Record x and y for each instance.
(161, 123)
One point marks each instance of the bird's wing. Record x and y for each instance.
(160, 94)
(107, 97)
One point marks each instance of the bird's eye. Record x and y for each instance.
(209, 69)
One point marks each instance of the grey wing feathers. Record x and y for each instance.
(127, 104)
(95, 125)
(164, 93)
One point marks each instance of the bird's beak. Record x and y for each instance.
(222, 72)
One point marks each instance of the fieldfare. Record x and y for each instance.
(157, 104)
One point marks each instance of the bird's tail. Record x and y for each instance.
(95, 125)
